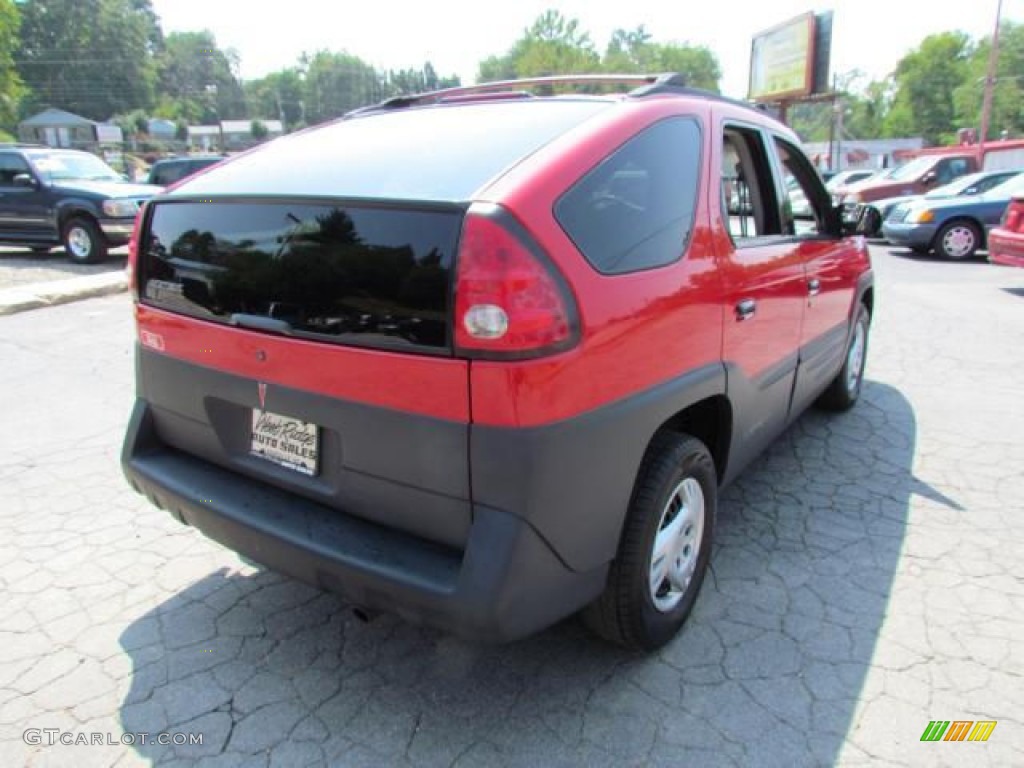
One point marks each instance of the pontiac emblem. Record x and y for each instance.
(263, 395)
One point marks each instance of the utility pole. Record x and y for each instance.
(832, 135)
(840, 108)
(832, 164)
(990, 81)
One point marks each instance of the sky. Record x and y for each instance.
(455, 35)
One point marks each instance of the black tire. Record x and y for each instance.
(674, 467)
(83, 241)
(844, 390)
(958, 240)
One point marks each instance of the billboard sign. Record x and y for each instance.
(782, 60)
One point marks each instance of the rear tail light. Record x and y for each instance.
(1013, 216)
(133, 252)
(509, 301)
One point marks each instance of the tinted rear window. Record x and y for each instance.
(441, 153)
(355, 275)
(635, 210)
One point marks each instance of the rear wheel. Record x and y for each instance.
(83, 241)
(665, 546)
(844, 390)
(958, 240)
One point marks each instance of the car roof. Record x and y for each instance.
(465, 138)
(671, 83)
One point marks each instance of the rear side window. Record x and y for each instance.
(635, 210)
(356, 275)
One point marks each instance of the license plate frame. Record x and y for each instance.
(285, 441)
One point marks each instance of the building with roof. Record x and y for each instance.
(238, 133)
(862, 153)
(57, 128)
(230, 134)
(204, 137)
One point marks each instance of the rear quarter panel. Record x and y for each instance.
(638, 330)
(560, 439)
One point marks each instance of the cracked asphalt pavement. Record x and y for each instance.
(867, 578)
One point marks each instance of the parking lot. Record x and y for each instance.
(866, 580)
(19, 267)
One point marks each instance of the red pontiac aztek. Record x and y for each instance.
(1006, 242)
(481, 358)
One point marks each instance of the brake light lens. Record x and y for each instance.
(133, 252)
(508, 301)
(1013, 217)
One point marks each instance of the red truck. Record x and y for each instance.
(932, 168)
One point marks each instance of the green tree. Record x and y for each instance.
(552, 45)
(154, 33)
(405, 81)
(198, 80)
(864, 105)
(336, 83)
(11, 88)
(867, 110)
(634, 51)
(1008, 94)
(278, 95)
(556, 45)
(630, 51)
(134, 123)
(91, 57)
(258, 130)
(924, 85)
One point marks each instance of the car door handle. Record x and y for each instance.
(745, 309)
(814, 286)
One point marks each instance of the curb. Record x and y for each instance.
(50, 294)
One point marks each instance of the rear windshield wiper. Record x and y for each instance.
(262, 323)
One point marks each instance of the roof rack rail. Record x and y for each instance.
(669, 79)
(701, 93)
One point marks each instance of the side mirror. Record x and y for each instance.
(929, 178)
(24, 180)
(837, 225)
